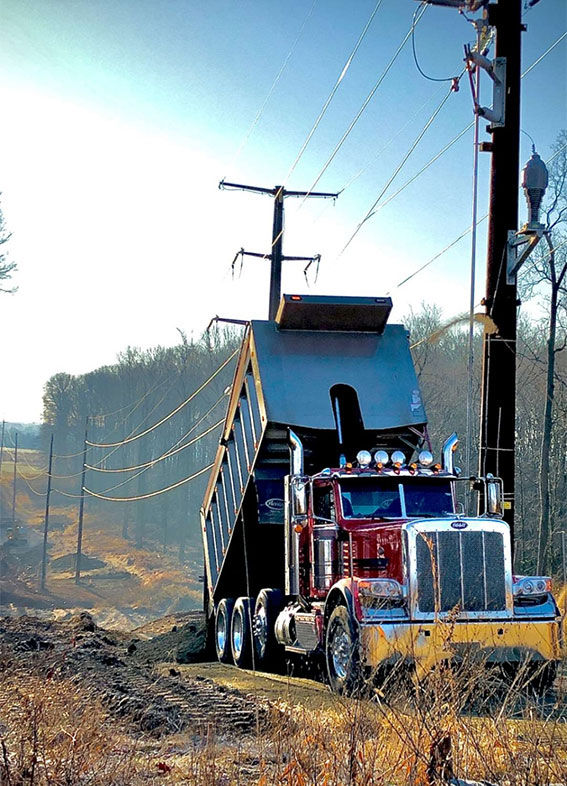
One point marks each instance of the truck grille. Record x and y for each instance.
(463, 570)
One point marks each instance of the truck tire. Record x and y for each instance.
(241, 632)
(223, 617)
(342, 654)
(266, 648)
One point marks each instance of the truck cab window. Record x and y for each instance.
(428, 497)
(371, 498)
(322, 503)
(381, 498)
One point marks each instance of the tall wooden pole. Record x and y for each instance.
(81, 510)
(498, 409)
(14, 484)
(46, 520)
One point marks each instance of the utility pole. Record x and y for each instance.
(81, 509)
(1, 459)
(14, 485)
(46, 521)
(498, 398)
(276, 255)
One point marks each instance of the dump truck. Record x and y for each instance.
(331, 531)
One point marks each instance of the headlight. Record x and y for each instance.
(398, 457)
(532, 585)
(380, 588)
(425, 458)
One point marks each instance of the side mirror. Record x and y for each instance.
(494, 502)
(298, 496)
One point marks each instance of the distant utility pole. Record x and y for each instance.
(81, 509)
(498, 399)
(46, 520)
(14, 484)
(1, 459)
(276, 256)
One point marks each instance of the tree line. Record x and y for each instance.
(115, 404)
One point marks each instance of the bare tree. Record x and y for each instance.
(6, 268)
(547, 272)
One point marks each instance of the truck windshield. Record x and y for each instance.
(396, 497)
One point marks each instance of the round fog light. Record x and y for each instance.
(364, 457)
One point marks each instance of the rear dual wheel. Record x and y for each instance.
(241, 632)
(223, 617)
(233, 638)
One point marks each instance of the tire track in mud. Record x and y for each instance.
(99, 663)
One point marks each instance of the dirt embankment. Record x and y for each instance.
(121, 670)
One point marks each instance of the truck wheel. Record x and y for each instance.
(223, 617)
(241, 632)
(342, 654)
(268, 605)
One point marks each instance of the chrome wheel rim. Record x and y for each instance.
(237, 633)
(221, 631)
(260, 627)
(340, 652)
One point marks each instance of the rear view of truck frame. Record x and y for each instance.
(329, 528)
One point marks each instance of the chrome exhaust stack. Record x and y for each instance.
(296, 458)
(295, 511)
(449, 448)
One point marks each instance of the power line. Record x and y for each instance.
(426, 76)
(273, 87)
(440, 254)
(152, 493)
(453, 140)
(416, 142)
(333, 91)
(26, 481)
(153, 388)
(538, 61)
(465, 233)
(169, 415)
(148, 465)
(424, 167)
(373, 211)
(169, 453)
(193, 427)
(384, 147)
(365, 103)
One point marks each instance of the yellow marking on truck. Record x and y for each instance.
(429, 643)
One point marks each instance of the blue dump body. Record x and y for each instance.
(329, 368)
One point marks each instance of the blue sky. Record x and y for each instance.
(121, 116)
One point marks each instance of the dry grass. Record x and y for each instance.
(463, 723)
(52, 734)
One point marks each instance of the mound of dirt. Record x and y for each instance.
(183, 643)
(102, 664)
(67, 563)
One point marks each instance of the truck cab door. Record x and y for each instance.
(324, 547)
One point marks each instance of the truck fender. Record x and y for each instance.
(340, 594)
